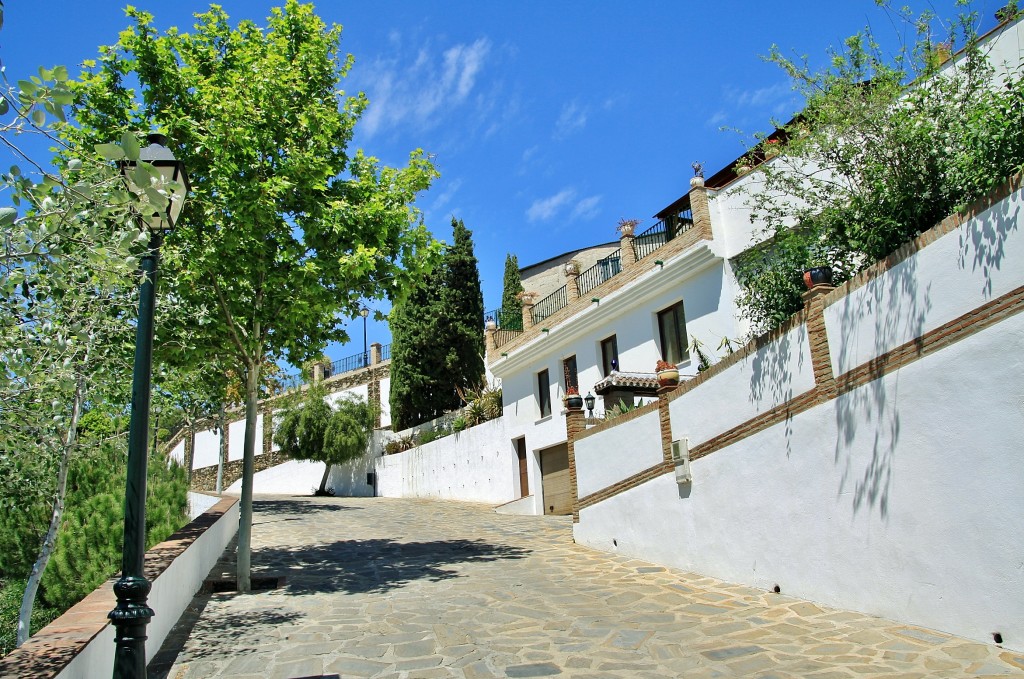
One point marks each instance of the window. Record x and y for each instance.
(609, 355)
(544, 393)
(570, 378)
(672, 329)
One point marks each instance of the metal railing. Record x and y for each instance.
(385, 352)
(661, 233)
(550, 304)
(349, 363)
(505, 320)
(600, 272)
(504, 335)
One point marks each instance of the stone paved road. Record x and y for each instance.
(410, 588)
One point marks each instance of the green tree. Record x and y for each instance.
(511, 307)
(437, 343)
(286, 231)
(311, 429)
(462, 308)
(886, 147)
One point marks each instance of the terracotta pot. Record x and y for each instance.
(819, 275)
(668, 378)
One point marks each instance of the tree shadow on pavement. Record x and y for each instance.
(301, 507)
(376, 565)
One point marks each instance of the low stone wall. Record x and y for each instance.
(80, 643)
(205, 479)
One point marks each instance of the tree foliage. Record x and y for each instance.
(511, 307)
(286, 231)
(313, 429)
(885, 148)
(437, 345)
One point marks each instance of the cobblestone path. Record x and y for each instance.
(409, 588)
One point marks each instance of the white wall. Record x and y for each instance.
(359, 392)
(608, 457)
(294, 477)
(349, 479)
(207, 449)
(385, 402)
(172, 592)
(475, 465)
(900, 498)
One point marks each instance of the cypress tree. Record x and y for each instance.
(462, 309)
(437, 340)
(511, 307)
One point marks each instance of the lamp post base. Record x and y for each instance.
(130, 618)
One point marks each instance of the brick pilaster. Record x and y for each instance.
(699, 208)
(373, 391)
(375, 352)
(572, 286)
(821, 358)
(575, 423)
(527, 314)
(665, 420)
(627, 254)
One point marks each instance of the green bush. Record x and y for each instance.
(88, 547)
(11, 592)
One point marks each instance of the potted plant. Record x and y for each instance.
(817, 275)
(627, 227)
(771, 148)
(572, 268)
(572, 398)
(668, 373)
(527, 296)
(490, 323)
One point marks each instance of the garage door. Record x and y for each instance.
(554, 469)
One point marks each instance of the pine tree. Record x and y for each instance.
(511, 307)
(417, 354)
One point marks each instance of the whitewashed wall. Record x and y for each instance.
(767, 378)
(900, 498)
(475, 465)
(294, 477)
(385, 402)
(207, 449)
(349, 479)
(359, 392)
(608, 457)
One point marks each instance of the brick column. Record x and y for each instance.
(375, 352)
(627, 254)
(575, 423)
(665, 421)
(527, 314)
(699, 208)
(318, 372)
(821, 359)
(373, 391)
(572, 286)
(490, 341)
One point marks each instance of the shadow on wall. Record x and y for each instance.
(375, 565)
(771, 375)
(982, 244)
(893, 304)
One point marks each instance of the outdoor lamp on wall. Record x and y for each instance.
(589, 401)
(132, 613)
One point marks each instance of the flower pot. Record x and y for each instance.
(668, 378)
(491, 325)
(574, 402)
(819, 275)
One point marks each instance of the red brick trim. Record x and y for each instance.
(604, 425)
(51, 649)
(625, 484)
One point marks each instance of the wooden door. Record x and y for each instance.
(524, 477)
(554, 469)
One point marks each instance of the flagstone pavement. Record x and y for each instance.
(379, 587)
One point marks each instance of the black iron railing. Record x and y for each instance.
(505, 320)
(385, 352)
(661, 233)
(550, 304)
(289, 382)
(504, 335)
(349, 363)
(600, 272)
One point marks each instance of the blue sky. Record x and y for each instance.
(549, 121)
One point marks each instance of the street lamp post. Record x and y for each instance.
(132, 613)
(364, 312)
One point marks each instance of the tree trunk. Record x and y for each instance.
(323, 481)
(252, 381)
(222, 455)
(32, 586)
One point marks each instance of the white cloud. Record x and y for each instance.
(420, 91)
(572, 118)
(545, 208)
(446, 195)
(762, 96)
(586, 208)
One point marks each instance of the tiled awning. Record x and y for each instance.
(642, 384)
